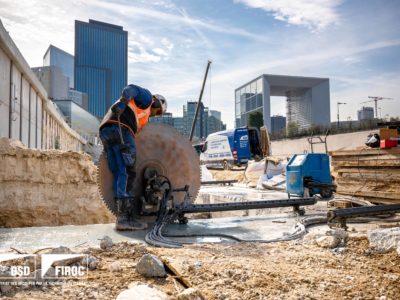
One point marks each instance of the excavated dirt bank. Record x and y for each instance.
(52, 187)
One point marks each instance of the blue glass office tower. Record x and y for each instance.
(101, 63)
(57, 57)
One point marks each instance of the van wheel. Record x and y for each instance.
(225, 165)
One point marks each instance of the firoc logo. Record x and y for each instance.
(64, 266)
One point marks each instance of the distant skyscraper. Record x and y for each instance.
(56, 57)
(216, 114)
(366, 113)
(214, 125)
(54, 81)
(189, 111)
(166, 118)
(179, 125)
(101, 63)
(207, 121)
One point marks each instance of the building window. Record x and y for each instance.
(260, 85)
(248, 105)
(253, 88)
(259, 100)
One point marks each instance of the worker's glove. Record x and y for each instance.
(118, 108)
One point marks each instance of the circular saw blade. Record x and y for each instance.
(162, 147)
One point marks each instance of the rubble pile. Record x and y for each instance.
(370, 173)
(52, 187)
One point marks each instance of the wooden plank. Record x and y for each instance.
(384, 171)
(364, 151)
(173, 268)
(367, 163)
(384, 186)
(373, 194)
(382, 201)
(390, 177)
(363, 158)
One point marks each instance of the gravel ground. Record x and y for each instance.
(285, 270)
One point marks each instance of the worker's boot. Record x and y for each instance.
(133, 217)
(122, 222)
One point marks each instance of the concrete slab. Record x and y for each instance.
(246, 228)
(33, 238)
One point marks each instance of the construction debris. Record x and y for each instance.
(115, 267)
(106, 243)
(190, 294)
(61, 250)
(327, 241)
(384, 240)
(143, 292)
(370, 173)
(91, 262)
(151, 266)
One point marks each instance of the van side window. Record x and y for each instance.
(204, 147)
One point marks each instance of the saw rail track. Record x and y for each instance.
(158, 238)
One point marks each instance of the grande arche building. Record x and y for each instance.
(307, 100)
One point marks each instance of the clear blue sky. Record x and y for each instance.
(356, 43)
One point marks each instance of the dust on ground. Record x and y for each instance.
(234, 174)
(285, 270)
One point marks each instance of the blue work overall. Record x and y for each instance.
(121, 158)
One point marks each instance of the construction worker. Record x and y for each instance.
(126, 117)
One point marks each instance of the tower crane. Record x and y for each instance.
(376, 99)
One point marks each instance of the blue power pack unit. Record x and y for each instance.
(309, 173)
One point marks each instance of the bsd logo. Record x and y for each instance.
(20, 270)
(68, 271)
(13, 266)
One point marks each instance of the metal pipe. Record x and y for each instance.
(214, 207)
(198, 103)
(219, 182)
(362, 211)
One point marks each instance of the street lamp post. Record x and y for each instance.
(339, 103)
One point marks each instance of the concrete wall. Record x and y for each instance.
(266, 104)
(26, 114)
(335, 142)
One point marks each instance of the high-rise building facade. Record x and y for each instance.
(54, 81)
(79, 98)
(207, 122)
(189, 111)
(101, 63)
(179, 125)
(57, 57)
(214, 125)
(215, 113)
(366, 113)
(164, 119)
